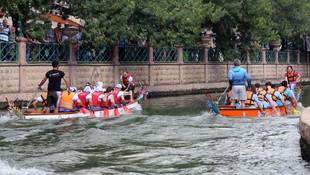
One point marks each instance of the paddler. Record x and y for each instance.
(237, 75)
(66, 103)
(127, 84)
(288, 94)
(252, 99)
(291, 77)
(42, 99)
(84, 99)
(276, 96)
(119, 97)
(99, 99)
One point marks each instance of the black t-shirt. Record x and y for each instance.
(54, 77)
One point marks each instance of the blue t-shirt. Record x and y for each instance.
(280, 97)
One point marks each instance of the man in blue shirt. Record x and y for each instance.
(236, 79)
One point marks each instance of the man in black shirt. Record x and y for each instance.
(54, 77)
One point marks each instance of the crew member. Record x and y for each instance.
(54, 77)
(252, 99)
(99, 99)
(237, 75)
(42, 99)
(292, 78)
(228, 100)
(118, 95)
(128, 84)
(84, 99)
(276, 96)
(66, 101)
(288, 94)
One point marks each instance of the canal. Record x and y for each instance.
(170, 135)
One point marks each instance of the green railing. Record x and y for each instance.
(270, 56)
(293, 57)
(193, 54)
(258, 57)
(165, 55)
(85, 55)
(133, 54)
(282, 56)
(8, 51)
(46, 52)
(303, 57)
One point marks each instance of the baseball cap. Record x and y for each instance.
(118, 86)
(99, 89)
(99, 83)
(87, 89)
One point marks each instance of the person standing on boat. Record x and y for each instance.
(54, 77)
(237, 75)
(128, 84)
(228, 100)
(292, 78)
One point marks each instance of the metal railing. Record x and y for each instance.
(104, 55)
(193, 54)
(165, 55)
(8, 51)
(46, 52)
(270, 56)
(133, 54)
(282, 56)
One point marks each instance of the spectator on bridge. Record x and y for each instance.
(50, 35)
(57, 33)
(4, 37)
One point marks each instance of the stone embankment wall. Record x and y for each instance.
(304, 129)
(21, 81)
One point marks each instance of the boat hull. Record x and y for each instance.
(40, 115)
(231, 111)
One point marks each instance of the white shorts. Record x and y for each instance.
(238, 92)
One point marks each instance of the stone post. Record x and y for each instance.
(151, 65)
(116, 63)
(181, 62)
(22, 42)
(264, 56)
(72, 61)
(298, 56)
(288, 56)
(276, 55)
(248, 59)
(206, 61)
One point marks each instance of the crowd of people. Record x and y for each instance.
(258, 96)
(96, 98)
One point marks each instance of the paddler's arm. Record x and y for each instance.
(272, 105)
(90, 101)
(260, 107)
(298, 78)
(284, 104)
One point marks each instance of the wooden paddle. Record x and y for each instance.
(28, 104)
(218, 100)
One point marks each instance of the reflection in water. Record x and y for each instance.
(171, 135)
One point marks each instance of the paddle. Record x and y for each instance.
(84, 110)
(218, 100)
(116, 112)
(106, 112)
(127, 110)
(36, 92)
(92, 113)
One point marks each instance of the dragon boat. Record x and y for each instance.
(104, 113)
(231, 111)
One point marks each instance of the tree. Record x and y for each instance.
(31, 13)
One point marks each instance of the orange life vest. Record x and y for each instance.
(66, 100)
(272, 93)
(284, 95)
(249, 99)
(44, 97)
(291, 77)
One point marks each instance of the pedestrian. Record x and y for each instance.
(237, 75)
(54, 77)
